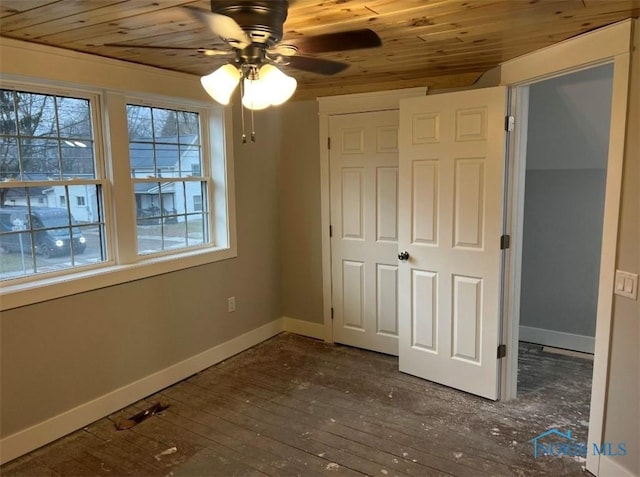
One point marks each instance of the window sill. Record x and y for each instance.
(45, 289)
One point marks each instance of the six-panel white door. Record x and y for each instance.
(451, 181)
(364, 244)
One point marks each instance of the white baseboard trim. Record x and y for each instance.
(58, 426)
(557, 339)
(304, 328)
(610, 468)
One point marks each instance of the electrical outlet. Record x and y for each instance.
(231, 303)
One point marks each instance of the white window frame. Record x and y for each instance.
(111, 139)
(100, 178)
(205, 151)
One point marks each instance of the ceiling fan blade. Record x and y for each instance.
(341, 41)
(205, 51)
(316, 65)
(223, 26)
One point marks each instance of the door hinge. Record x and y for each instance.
(505, 242)
(332, 313)
(330, 231)
(509, 123)
(328, 143)
(502, 351)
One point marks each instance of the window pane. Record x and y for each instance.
(195, 192)
(167, 160)
(40, 159)
(175, 234)
(190, 163)
(84, 203)
(74, 117)
(147, 201)
(91, 250)
(140, 123)
(165, 125)
(8, 125)
(16, 259)
(197, 229)
(77, 159)
(168, 198)
(142, 159)
(36, 115)
(188, 125)
(149, 236)
(9, 159)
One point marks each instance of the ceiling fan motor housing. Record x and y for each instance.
(261, 20)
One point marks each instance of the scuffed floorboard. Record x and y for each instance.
(296, 406)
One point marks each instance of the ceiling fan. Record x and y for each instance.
(252, 31)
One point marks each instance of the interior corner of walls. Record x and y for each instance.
(304, 328)
(58, 426)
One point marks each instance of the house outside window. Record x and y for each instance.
(47, 152)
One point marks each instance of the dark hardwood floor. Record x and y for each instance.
(296, 406)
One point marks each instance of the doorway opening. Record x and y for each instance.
(562, 179)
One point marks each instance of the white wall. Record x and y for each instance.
(567, 148)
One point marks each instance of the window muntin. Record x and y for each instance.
(166, 144)
(47, 156)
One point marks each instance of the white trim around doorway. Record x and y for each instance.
(607, 45)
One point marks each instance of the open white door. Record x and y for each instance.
(364, 243)
(452, 155)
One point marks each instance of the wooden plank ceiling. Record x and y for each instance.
(435, 43)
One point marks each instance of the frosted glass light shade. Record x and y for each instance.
(255, 94)
(221, 83)
(278, 86)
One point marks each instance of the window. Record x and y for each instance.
(66, 226)
(166, 144)
(47, 152)
(197, 202)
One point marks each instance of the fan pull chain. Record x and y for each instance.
(253, 128)
(244, 136)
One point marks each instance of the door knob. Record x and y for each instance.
(404, 256)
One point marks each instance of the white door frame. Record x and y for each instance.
(607, 45)
(329, 106)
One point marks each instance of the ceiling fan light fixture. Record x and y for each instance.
(221, 83)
